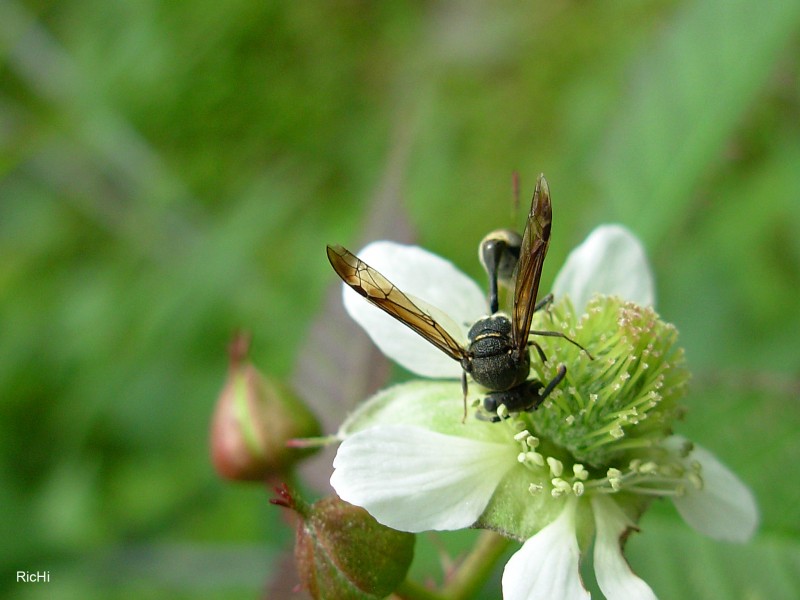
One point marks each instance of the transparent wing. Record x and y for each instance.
(535, 241)
(381, 292)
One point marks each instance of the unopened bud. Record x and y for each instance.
(342, 552)
(254, 418)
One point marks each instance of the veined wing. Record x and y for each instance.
(381, 292)
(535, 241)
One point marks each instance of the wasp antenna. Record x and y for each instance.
(515, 190)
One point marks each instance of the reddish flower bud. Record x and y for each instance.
(254, 418)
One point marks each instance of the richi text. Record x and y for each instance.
(33, 576)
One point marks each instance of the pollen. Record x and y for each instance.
(535, 489)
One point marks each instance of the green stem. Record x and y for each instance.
(468, 578)
(411, 590)
(473, 572)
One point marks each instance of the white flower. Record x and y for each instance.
(610, 261)
(439, 285)
(547, 564)
(407, 458)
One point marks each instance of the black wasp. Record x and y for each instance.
(497, 356)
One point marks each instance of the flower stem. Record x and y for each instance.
(411, 590)
(476, 567)
(468, 578)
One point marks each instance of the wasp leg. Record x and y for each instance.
(543, 302)
(539, 351)
(492, 254)
(543, 394)
(539, 306)
(482, 415)
(464, 391)
(563, 336)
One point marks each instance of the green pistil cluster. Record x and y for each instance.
(621, 400)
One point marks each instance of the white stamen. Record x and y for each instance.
(696, 481)
(560, 487)
(556, 466)
(536, 458)
(580, 471)
(649, 468)
(522, 435)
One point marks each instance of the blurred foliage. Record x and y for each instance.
(170, 172)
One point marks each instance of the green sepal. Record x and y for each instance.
(343, 553)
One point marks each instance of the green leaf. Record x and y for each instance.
(755, 434)
(687, 96)
(679, 563)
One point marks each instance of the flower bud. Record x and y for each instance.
(342, 552)
(254, 418)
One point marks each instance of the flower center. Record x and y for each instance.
(627, 397)
(600, 430)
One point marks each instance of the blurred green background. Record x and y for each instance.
(171, 171)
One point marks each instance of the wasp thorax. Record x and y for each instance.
(495, 363)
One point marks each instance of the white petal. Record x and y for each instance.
(433, 405)
(614, 575)
(435, 281)
(724, 508)
(610, 261)
(413, 479)
(546, 566)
